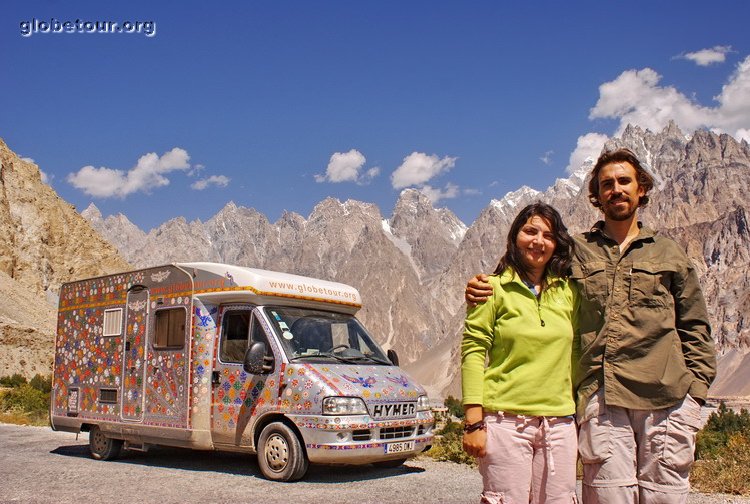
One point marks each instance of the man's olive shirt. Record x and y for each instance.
(643, 324)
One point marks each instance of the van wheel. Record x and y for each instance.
(101, 446)
(280, 453)
(389, 464)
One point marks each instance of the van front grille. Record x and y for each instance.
(361, 435)
(396, 432)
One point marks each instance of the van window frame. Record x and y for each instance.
(255, 325)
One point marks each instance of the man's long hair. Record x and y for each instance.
(559, 263)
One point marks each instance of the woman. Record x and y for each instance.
(519, 408)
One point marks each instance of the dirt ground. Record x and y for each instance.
(38, 465)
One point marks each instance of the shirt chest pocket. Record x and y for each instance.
(651, 284)
(592, 281)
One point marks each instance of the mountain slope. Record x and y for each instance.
(43, 243)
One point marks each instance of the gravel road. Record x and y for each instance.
(38, 465)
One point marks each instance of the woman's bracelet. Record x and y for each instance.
(469, 428)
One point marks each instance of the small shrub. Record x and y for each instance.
(42, 383)
(24, 398)
(721, 425)
(24, 405)
(454, 406)
(16, 380)
(728, 471)
(448, 446)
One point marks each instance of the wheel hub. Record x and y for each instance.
(277, 452)
(99, 442)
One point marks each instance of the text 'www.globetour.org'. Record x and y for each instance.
(28, 28)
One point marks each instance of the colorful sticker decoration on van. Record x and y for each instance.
(140, 384)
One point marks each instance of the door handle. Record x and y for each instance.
(215, 377)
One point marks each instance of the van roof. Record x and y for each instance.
(273, 283)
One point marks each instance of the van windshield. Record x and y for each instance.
(307, 334)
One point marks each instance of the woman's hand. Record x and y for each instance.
(474, 442)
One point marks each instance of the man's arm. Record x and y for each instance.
(478, 290)
(691, 320)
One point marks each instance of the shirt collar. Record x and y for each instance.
(510, 276)
(644, 232)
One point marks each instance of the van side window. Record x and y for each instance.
(235, 326)
(169, 328)
(259, 334)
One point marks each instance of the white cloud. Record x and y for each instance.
(436, 194)
(588, 148)
(148, 173)
(734, 101)
(216, 180)
(345, 167)
(418, 168)
(45, 177)
(547, 157)
(635, 97)
(195, 170)
(706, 57)
(28, 160)
(372, 173)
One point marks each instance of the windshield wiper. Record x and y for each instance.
(373, 359)
(325, 355)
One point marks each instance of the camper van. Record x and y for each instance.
(219, 357)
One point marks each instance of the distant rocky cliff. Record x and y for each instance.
(43, 243)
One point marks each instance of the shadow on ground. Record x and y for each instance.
(237, 464)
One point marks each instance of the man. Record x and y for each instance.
(646, 353)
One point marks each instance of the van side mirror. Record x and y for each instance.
(256, 361)
(393, 357)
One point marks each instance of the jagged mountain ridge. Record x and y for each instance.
(411, 268)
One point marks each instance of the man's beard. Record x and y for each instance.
(613, 213)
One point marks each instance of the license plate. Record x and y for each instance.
(400, 447)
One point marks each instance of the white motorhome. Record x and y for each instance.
(220, 357)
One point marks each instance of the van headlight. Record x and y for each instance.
(344, 406)
(423, 403)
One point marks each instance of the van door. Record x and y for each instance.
(235, 393)
(133, 354)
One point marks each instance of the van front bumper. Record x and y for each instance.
(360, 440)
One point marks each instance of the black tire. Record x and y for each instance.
(280, 453)
(389, 464)
(101, 446)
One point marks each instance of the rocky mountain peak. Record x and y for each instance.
(91, 213)
(412, 201)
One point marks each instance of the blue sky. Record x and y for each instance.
(276, 105)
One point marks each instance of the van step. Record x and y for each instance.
(141, 447)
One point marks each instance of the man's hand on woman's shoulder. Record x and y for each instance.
(478, 290)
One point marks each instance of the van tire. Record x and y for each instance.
(280, 453)
(101, 446)
(389, 464)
